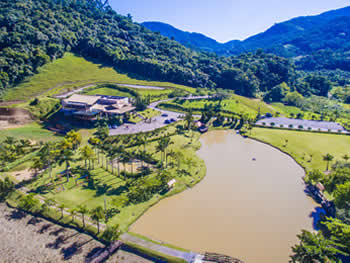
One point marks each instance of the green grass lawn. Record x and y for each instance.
(307, 148)
(149, 113)
(73, 71)
(33, 131)
(288, 110)
(108, 92)
(235, 104)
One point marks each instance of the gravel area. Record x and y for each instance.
(25, 238)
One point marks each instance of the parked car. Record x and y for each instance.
(172, 120)
(167, 122)
(114, 127)
(164, 115)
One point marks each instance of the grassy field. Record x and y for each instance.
(116, 92)
(235, 104)
(306, 148)
(73, 71)
(33, 131)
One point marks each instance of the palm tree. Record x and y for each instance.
(82, 209)
(37, 164)
(73, 213)
(87, 154)
(28, 202)
(75, 138)
(95, 142)
(97, 214)
(161, 147)
(346, 157)
(124, 158)
(115, 153)
(67, 157)
(189, 119)
(61, 207)
(47, 203)
(328, 158)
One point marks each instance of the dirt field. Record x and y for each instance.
(25, 239)
(14, 118)
(24, 175)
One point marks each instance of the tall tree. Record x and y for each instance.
(328, 158)
(82, 209)
(97, 214)
(314, 248)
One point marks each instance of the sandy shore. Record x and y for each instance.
(24, 238)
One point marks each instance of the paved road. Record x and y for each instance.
(188, 256)
(156, 122)
(70, 93)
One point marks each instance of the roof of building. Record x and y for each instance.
(111, 97)
(86, 99)
(171, 182)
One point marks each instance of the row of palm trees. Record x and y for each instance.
(30, 203)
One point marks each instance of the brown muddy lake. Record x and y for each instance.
(245, 208)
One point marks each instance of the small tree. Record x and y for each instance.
(61, 207)
(111, 233)
(73, 213)
(328, 158)
(97, 215)
(82, 209)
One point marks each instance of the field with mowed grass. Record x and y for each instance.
(307, 148)
(235, 104)
(73, 71)
(33, 131)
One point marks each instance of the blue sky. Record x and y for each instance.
(223, 20)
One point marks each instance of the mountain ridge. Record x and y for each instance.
(272, 40)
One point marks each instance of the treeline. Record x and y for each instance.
(33, 33)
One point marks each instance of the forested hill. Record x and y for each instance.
(322, 38)
(195, 41)
(33, 33)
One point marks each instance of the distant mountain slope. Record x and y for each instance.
(298, 36)
(192, 40)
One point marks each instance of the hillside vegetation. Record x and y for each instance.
(322, 40)
(33, 33)
(72, 71)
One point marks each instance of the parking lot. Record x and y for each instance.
(310, 125)
(145, 126)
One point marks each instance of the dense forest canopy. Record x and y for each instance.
(35, 32)
(316, 42)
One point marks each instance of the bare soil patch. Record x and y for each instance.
(14, 118)
(24, 175)
(25, 238)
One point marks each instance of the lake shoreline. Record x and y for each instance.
(169, 204)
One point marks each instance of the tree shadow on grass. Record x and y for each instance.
(117, 191)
